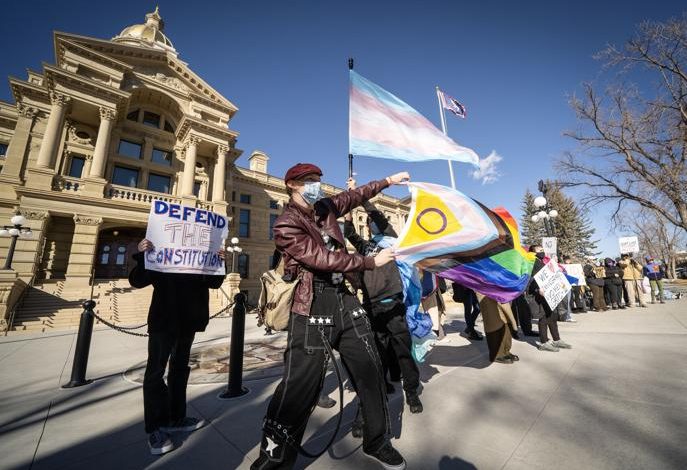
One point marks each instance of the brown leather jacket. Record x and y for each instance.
(298, 236)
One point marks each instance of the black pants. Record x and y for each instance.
(615, 293)
(305, 362)
(550, 322)
(578, 300)
(523, 313)
(166, 403)
(471, 307)
(391, 332)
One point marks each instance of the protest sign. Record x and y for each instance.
(550, 246)
(628, 245)
(185, 239)
(553, 284)
(576, 270)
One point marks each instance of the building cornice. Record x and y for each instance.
(206, 91)
(62, 44)
(55, 75)
(8, 112)
(22, 88)
(189, 123)
(203, 89)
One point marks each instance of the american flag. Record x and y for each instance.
(452, 105)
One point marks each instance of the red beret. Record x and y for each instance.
(301, 169)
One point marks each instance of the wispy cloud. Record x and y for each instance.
(488, 171)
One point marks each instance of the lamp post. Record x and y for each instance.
(15, 231)
(546, 214)
(234, 248)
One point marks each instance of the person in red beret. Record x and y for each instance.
(313, 250)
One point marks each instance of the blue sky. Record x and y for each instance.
(284, 64)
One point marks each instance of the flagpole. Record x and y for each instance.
(443, 128)
(350, 156)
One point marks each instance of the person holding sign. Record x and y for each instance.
(323, 313)
(179, 308)
(632, 277)
(548, 316)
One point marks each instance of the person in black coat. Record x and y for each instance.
(383, 301)
(548, 317)
(179, 308)
(614, 283)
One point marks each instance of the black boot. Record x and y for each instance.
(414, 403)
(274, 454)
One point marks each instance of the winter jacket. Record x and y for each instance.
(654, 271)
(382, 287)
(590, 274)
(533, 290)
(632, 271)
(298, 235)
(614, 273)
(180, 302)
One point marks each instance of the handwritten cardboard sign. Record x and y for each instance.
(185, 239)
(550, 246)
(628, 245)
(553, 284)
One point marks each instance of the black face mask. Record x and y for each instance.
(540, 255)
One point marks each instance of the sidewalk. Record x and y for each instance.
(618, 400)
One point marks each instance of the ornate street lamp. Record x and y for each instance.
(546, 214)
(15, 231)
(234, 248)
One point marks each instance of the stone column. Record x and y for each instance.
(16, 151)
(102, 144)
(84, 244)
(189, 167)
(87, 166)
(219, 174)
(53, 130)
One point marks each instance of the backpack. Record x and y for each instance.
(276, 296)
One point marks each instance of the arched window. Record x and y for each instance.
(121, 255)
(105, 254)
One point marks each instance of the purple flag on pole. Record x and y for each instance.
(453, 105)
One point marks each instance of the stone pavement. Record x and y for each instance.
(618, 400)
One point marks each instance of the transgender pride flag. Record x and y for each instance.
(383, 126)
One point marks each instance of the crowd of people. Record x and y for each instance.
(373, 333)
(608, 284)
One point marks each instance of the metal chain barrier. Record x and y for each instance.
(83, 342)
(121, 329)
(128, 329)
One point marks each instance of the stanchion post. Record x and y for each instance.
(235, 386)
(83, 347)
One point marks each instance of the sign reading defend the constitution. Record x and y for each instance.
(553, 284)
(185, 239)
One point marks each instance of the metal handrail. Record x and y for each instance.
(19, 303)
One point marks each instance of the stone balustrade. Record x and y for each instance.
(67, 184)
(136, 195)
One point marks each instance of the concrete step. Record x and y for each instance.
(53, 306)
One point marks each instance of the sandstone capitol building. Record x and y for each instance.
(86, 146)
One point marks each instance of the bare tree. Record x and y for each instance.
(633, 146)
(656, 238)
